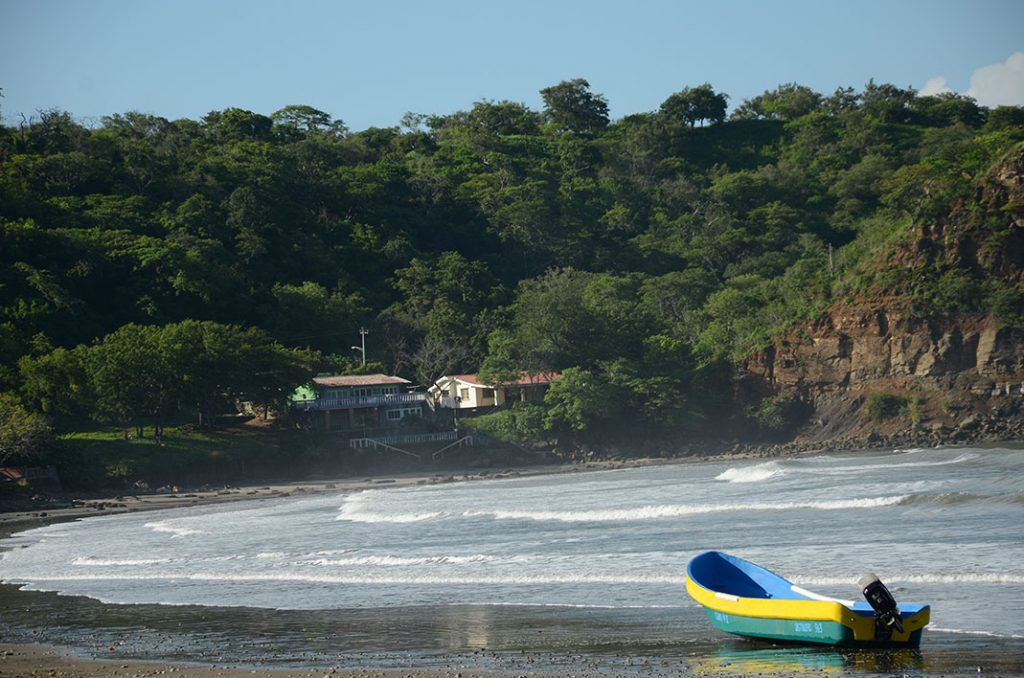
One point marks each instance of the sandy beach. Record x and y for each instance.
(47, 660)
(55, 655)
(19, 661)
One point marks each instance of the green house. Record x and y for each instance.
(358, 401)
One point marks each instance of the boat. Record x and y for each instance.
(748, 600)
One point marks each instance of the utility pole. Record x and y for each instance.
(362, 349)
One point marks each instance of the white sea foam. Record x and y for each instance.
(987, 634)
(164, 526)
(680, 510)
(752, 474)
(360, 508)
(889, 466)
(353, 579)
(112, 562)
(964, 578)
(357, 516)
(399, 561)
(570, 540)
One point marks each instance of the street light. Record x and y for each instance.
(362, 349)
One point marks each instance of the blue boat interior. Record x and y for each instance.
(722, 573)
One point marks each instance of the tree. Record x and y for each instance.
(298, 121)
(948, 108)
(238, 124)
(436, 357)
(313, 316)
(130, 376)
(696, 104)
(442, 298)
(1002, 117)
(785, 102)
(24, 435)
(887, 103)
(572, 107)
(58, 383)
(581, 404)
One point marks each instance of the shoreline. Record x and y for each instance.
(18, 661)
(40, 659)
(19, 520)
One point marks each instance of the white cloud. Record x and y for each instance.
(933, 87)
(999, 84)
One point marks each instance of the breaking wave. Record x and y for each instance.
(680, 510)
(316, 578)
(125, 562)
(885, 466)
(967, 578)
(164, 526)
(399, 561)
(752, 474)
(358, 516)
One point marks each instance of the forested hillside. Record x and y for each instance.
(149, 265)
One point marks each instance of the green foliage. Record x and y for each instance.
(581, 402)
(769, 414)
(147, 264)
(571, 106)
(141, 373)
(786, 102)
(695, 104)
(24, 436)
(883, 406)
(521, 424)
(94, 458)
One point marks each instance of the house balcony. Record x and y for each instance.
(359, 402)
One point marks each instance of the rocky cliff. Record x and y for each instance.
(954, 375)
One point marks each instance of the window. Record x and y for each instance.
(464, 394)
(396, 415)
(487, 393)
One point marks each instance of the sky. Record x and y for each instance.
(367, 62)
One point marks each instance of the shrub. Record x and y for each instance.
(769, 414)
(522, 423)
(883, 406)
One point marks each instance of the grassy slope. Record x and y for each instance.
(102, 458)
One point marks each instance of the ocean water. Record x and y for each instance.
(586, 564)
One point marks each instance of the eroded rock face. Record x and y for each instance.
(950, 368)
(853, 350)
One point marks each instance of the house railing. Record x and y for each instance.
(358, 402)
(404, 439)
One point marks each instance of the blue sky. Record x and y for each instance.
(368, 63)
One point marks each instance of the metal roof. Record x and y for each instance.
(359, 380)
(525, 379)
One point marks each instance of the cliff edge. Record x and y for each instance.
(888, 365)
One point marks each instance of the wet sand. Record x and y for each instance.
(47, 660)
(20, 661)
(948, 656)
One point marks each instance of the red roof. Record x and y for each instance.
(525, 379)
(359, 380)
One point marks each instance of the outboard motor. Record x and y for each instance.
(887, 614)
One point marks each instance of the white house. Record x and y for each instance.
(467, 392)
